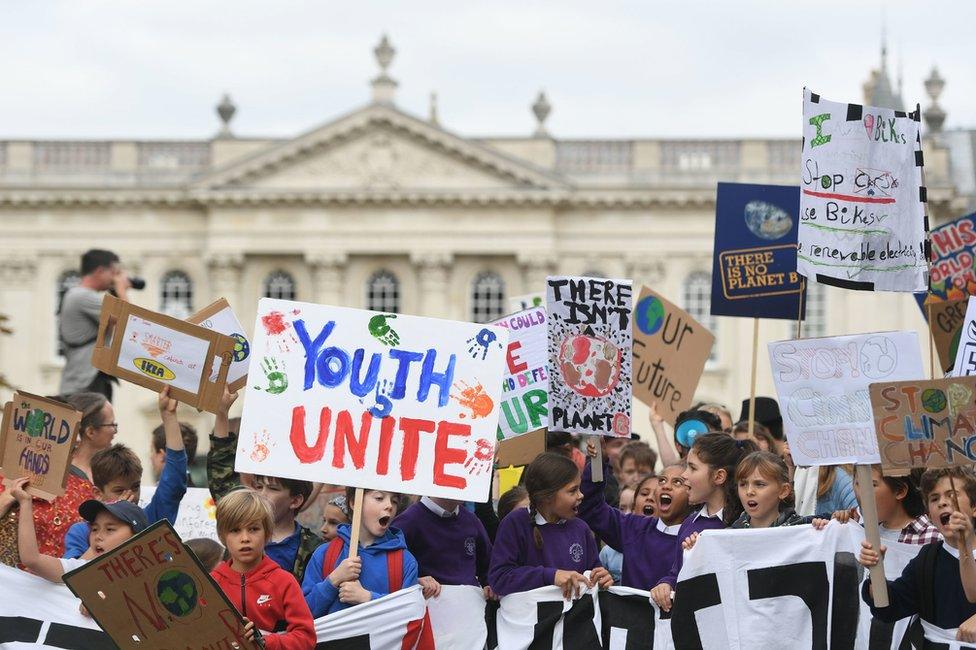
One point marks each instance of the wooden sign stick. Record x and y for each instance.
(752, 389)
(357, 521)
(596, 465)
(799, 312)
(869, 510)
(928, 308)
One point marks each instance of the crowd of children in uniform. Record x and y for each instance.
(549, 530)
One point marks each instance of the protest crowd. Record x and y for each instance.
(608, 534)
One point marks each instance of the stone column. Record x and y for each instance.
(535, 269)
(432, 270)
(225, 278)
(646, 272)
(23, 352)
(328, 277)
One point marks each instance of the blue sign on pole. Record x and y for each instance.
(754, 267)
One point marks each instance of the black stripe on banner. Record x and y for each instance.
(901, 114)
(15, 629)
(845, 284)
(917, 113)
(854, 112)
(70, 637)
(928, 246)
(923, 194)
(919, 160)
(815, 98)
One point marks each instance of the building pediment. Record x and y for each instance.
(379, 148)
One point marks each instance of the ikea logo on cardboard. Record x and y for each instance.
(154, 369)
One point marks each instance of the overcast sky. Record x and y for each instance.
(117, 68)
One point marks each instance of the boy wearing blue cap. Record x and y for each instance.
(111, 525)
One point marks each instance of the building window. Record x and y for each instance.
(698, 303)
(815, 323)
(279, 285)
(383, 293)
(66, 280)
(176, 297)
(487, 298)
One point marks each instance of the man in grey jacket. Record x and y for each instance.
(78, 325)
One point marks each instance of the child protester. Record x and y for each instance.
(111, 524)
(516, 497)
(336, 512)
(450, 543)
(939, 584)
(268, 597)
(766, 493)
(901, 511)
(334, 582)
(710, 477)
(117, 475)
(289, 544)
(647, 543)
(636, 460)
(546, 544)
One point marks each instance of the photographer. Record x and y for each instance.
(78, 323)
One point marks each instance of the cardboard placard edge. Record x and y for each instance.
(216, 307)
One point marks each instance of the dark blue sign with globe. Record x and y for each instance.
(754, 267)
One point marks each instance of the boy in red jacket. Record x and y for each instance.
(268, 597)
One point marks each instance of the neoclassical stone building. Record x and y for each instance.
(381, 209)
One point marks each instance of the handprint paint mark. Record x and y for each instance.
(380, 330)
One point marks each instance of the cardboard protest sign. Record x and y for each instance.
(965, 361)
(219, 317)
(946, 324)
(862, 205)
(925, 423)
(36, 439)
(354, 397)
(521, 450)
(152, 592)
(155, 350)
(197, 516)
(528, 301)
(953, 259)
(754, 268)
(525, 384)
(670, 351)
(822, 386)
(590, 344)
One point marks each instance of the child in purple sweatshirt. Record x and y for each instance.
(710, 477)
(449, 541)
(647, 543)
(546, 544)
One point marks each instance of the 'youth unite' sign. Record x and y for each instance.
(590, 344)
(372, 400)
(862, 205)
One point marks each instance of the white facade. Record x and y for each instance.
(381, 206)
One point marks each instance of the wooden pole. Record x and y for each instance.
(357, 522)
(752, 389)
(869, 510)
(928, 308)
(596, 465)
(799, 312)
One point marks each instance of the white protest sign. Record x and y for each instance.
(528, 301)
(220, 318)
(393, 621)
(525, 385)
(365, 399)
(35, 613)
(590, 355)
(965, 364)
(157, 350)
(862, 210)
(822, 385)
(457, 617)
(197, 516)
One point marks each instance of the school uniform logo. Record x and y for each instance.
(576, 552)
(469, 546)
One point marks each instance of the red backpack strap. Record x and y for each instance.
(394, 570)
(332, 554)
